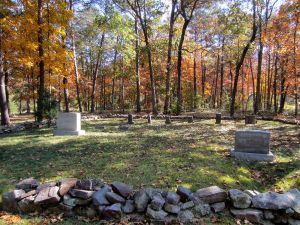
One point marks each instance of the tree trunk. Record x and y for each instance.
(66, 94)
(167, 105)
(113, 81)
(179, 67)
(41, 92)
(152, 81)
(195, 83)
(76, 74)
(5, 120)
(295, 69)
(275, 84)
(222, 75)
(137, 68)
(6, 91)
(257, 102)
(241, 61)
(95, 74)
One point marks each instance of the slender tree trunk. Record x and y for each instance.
(295, 69)
(195, 83)
(179, 67)
(269, 82)
(123, 95)
(66, 94)
(113, 80)
(222, 75)
(137, 67)
(41, 92)
(7, 91)
(215, 100)
(257, 102)
(95, 74)
(275, 84)
(152, 81)
(5, 120)
(167, 105)
(241, 61)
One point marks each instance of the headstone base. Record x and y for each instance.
(67, 132)
(252, 156)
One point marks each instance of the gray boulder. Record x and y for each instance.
(151, 192)
(114, 198)
(187, 205)
(185, 216)
(128, 207)
(296, 206)
(172, 198)
(239, 199)
(46, 185)
(81, 193)
(273, 201)
(28, 184)
(113, 211)
(211, 194)
(184, 193)
(26, 205)
(252, 215)
(170, 208)
(47, 196)
(122, 189)
(99, 196)
(218, 207)
(9, 202)
(156, 215)
(141, 200)
(89, 184)
(202, 209)
(157, 202)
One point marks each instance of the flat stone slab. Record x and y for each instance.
(252, 156)
(211, 194)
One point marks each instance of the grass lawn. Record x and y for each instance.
(194, 155)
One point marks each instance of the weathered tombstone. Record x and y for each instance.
(250, 119)
(252, 145)
(218, 118)
(149, 118)
(130, 119)
(168, 120)
(68, 124)
(190, 119)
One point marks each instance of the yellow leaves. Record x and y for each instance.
(9, 219)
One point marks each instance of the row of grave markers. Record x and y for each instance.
(250, 145)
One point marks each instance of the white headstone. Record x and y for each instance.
(68, 124)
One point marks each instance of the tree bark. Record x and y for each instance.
(179, 67)
(5, 120)
(241, 61)
(66, 94)
(95, 74)
(41, 92)
(7, 91)
(173, 17)
(275, 84)
(137, 67)
(222, 75)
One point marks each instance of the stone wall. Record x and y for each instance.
(93, 198)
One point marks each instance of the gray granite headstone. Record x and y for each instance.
(252, 145)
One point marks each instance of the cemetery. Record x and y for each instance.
(149, 112)
(139, 168)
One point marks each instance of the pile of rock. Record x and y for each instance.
(92, 197)
(21, 127)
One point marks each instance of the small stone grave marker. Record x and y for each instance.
(252, 145)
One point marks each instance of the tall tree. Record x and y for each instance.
(240, 61)
(187, 9)
(41, 91)
(173, 17)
